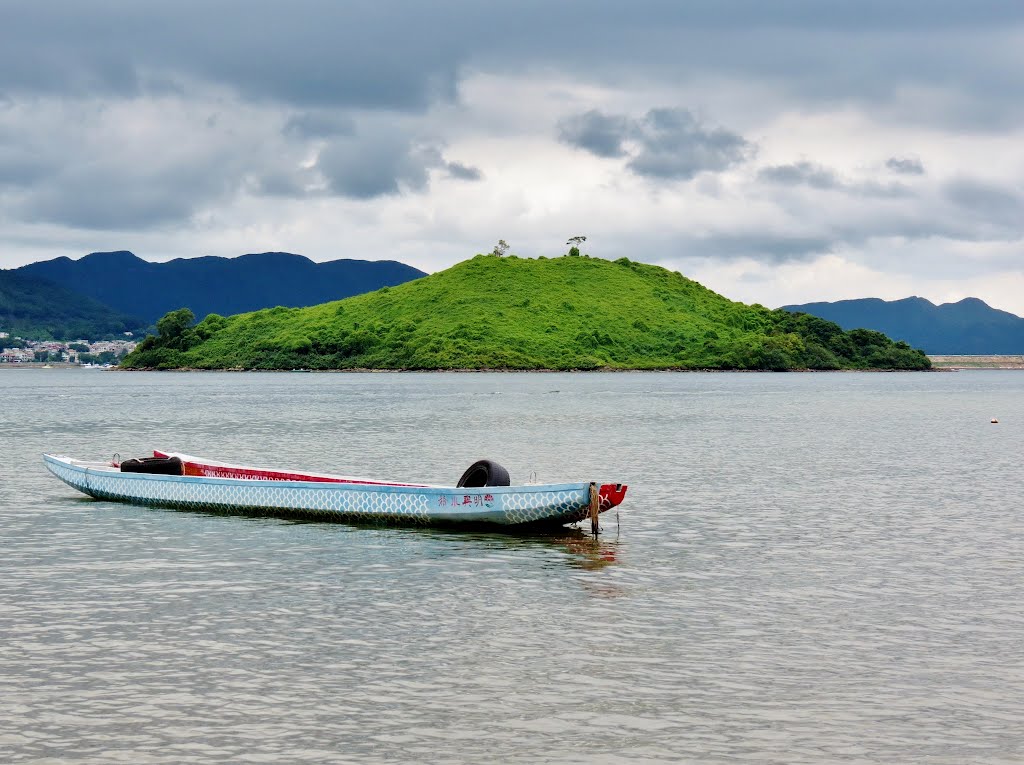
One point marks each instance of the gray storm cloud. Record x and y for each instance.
(801, 174)
(385, 163)
(325, 124)
(905, 165)
(997, 210)
(675, 145)
(666, 144)
(406, 55)
(815, 176)
(600, 134)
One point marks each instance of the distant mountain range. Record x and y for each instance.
(968, 327)
(136, 287)
(107, 293)
(39, 309)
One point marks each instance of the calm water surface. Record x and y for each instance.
(807, 568)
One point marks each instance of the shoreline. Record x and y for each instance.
(42, 365)
(940, 363)
(953, 362)
(488, 370)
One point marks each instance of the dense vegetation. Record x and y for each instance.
(41, 310)
(969, 326)
(496, 312)
(205, 285)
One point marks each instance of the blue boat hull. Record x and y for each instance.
(554, 504)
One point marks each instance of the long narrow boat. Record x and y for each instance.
(204, 484)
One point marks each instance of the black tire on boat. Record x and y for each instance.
(155, 465)
(484, 473)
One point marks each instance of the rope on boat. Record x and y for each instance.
(595, 507)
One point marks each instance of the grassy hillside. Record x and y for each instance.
(41, 310)
(492, 312)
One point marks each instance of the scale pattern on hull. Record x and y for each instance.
(522, 507)
(341, 502)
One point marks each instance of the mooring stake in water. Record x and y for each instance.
(595, 507)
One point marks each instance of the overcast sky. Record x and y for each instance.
(778, 151)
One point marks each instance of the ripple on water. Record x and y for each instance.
(817, 568)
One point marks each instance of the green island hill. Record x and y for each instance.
(492, 312)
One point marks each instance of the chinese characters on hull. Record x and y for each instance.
(466, 500)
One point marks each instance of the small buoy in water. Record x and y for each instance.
(995, 421)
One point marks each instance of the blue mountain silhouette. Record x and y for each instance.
(969, 326)
(207, 285)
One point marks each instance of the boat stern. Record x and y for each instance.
(67, 470)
